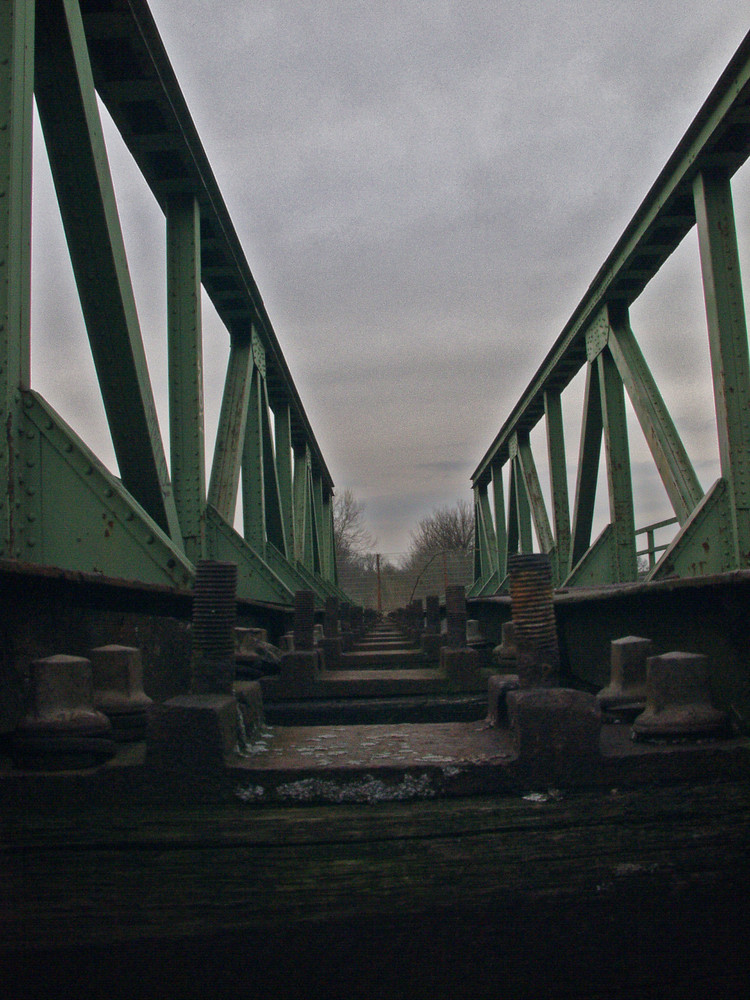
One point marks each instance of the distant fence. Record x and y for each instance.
(387, 581)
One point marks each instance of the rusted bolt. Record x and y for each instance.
(214, 615)
(534, 620)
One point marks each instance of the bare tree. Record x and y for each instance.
(351, 538)
(445, 529)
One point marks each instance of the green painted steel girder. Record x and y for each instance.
(16, 89)
(185, 340)
(501, 532)
(558, 481)
(619, 479)
(588, 466)
(77, 516)
(283, 452)
(671, 459)
(230, 435)
(142, 95)
(535, 497)
(718, 134)
(727, 333)
(61, 506)
(69, 116)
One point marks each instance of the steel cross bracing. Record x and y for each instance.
(61, 507)
(713, 535)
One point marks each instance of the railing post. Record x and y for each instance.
(727, 334)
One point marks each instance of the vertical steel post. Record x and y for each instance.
(727, 334)
(282, 427)
(618, 467)
(317, 520)
(534, 494)
(588, 466)
(558, 482)
(302, 531)
(274, 522)
(230, 435)
(16, 90)
(523, 509)
(253, 497)
(185, 338)
(69, 114)
(672, 461)
(501, 533)
(328, 559)
(484, 532)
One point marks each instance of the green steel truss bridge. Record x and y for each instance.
(63, 511)
(713, 528)
(61, 508)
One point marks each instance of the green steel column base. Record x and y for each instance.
(598, 567)
(78, 516)
(705, 544)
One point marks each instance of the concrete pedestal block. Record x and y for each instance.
(118, 690)
(625, 695)
(299, 670)
(555, 731)
(192, 732)
(461, 666)
(249, 697)
(505, 655)
(431, 645)
(61, 699)
(62, 729)
(246, 639)
(331, 650)
(497, 691)
(678, 699)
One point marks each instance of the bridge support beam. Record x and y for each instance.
(727, 333)
(16, 90)
(187, 448)
(69, 114)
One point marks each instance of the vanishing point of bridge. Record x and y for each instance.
(89, 559)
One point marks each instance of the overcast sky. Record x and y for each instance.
(424, 191)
